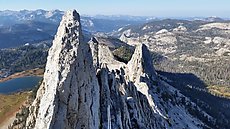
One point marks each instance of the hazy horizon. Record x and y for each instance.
(164, 8)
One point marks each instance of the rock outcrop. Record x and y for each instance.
(84, 87)
(69, 94)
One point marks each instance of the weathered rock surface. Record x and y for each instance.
(117, 96)
(69, 95)
(129, 98)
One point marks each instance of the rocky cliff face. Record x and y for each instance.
(84, 87)
(69, 94)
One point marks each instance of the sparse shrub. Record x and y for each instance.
(123, 54)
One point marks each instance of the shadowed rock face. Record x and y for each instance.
(117, 96)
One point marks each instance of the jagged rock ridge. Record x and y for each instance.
(117, 96)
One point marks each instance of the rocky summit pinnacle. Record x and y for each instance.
(141, 63)
(85, 87)
(69, 94)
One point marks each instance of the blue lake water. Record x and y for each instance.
(19, 84)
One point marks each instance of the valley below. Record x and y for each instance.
(15, 97)
(10, 105)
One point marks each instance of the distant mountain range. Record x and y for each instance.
(101, 23)
(20, 27)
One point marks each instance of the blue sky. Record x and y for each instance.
(159, 8)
